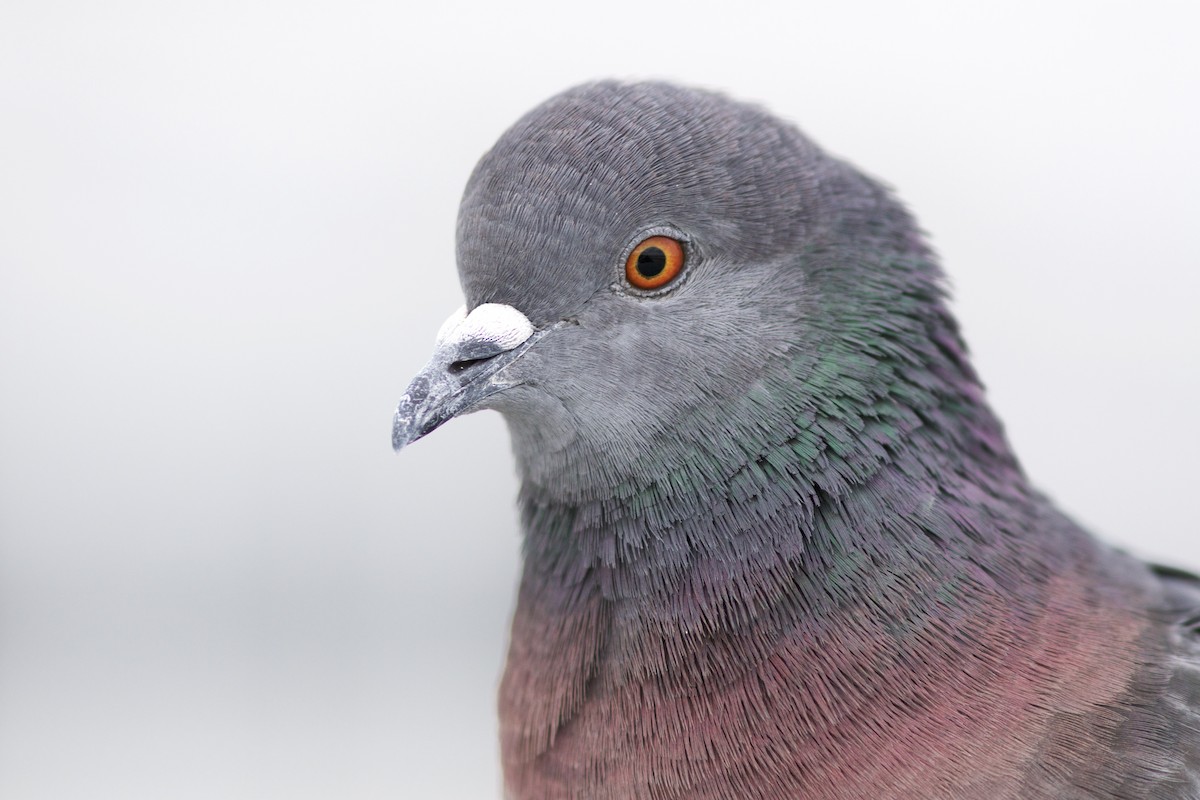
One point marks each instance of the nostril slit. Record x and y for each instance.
(464, 365)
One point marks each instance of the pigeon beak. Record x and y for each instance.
(471, 351)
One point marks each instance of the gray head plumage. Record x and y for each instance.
(768, 220)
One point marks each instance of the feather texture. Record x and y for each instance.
(777, 545)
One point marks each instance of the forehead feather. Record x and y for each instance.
(549, 209)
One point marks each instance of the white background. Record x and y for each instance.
(226, 243)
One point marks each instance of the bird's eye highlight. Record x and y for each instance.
(654, 263)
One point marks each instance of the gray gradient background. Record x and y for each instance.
(226, 243)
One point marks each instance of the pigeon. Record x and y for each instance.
(775, 543)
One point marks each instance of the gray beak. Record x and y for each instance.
(470, 353)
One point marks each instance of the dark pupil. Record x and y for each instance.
(651, 261)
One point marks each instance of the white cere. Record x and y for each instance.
(491, 322)
(452, 322)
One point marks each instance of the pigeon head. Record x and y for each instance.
(664, 285)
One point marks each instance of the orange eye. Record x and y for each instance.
(654, 263)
